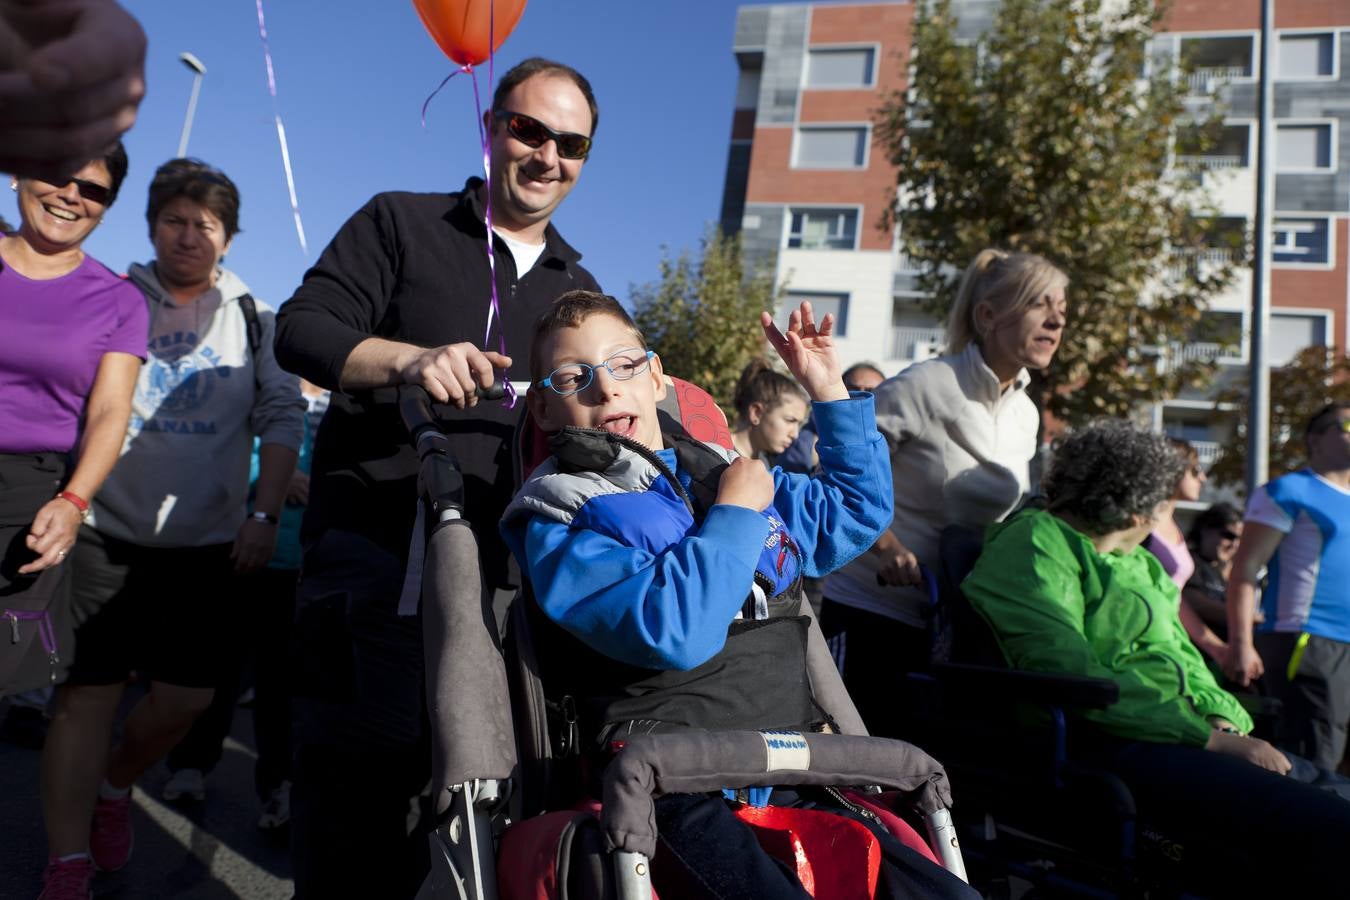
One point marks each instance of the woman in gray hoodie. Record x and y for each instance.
(155, 566)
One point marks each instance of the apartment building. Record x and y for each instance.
(805, 179)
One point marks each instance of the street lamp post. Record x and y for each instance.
(198, 70)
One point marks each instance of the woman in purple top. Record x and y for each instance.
(73, 339)
(1168, 543)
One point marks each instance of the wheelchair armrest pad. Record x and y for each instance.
(993, 684)
(701, 761)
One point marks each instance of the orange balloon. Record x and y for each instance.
(465, 28)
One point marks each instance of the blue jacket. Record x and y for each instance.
(618, 559)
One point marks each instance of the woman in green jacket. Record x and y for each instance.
(1069, 589)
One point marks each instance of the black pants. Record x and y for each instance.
(27, 482)
(362, 752)
(1229, 828)
(1316, 701)
(873, 654)
(266, 601)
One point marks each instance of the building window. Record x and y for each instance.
(1225, 147)
(823, 229)
(1215, 61)
(842, 147)
(844, 68)
(1302, 147)
(1290, 333)
(822, 302)
(1307, 55)
(1306, 241)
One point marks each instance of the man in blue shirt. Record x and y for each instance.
(1299, 526)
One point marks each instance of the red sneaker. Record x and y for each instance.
(68, 880)
(110, 838)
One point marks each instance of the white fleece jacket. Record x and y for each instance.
(182, 479)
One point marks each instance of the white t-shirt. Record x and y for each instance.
(960, 455)
(525, 255)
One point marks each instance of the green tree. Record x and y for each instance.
(702, 316)
(1046, 137)
(1312, 379)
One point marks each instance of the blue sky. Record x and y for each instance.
(351, 77)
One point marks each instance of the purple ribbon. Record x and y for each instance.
(281, 132)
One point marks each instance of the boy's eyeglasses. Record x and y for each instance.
(533, 133)
(89, 190)
(1229, 535)
(573, 377)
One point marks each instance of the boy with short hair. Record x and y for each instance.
(678, 566)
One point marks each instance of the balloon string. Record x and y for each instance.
(427, 102)
(494, 311)
(281, 132)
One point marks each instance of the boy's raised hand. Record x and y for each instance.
(746, 483)
(809, 352)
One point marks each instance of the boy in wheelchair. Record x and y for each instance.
(678, 569)
(1069, 590)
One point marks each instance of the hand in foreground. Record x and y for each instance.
(808, 350)
(451, 373)
(746, 483)
(54, 530)
(71, 76)
(1253, 750)
(1242, 663)
(897, 566)
(253, 546)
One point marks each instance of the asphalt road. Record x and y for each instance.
(207, 851)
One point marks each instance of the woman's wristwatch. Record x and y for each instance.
(259, 516)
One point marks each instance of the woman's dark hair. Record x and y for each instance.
(761, 383)
(116, 162)
(1189, 455)
(1104, 475)
(569, 311)
(537, 65)
(202, 184)
(1220, 516)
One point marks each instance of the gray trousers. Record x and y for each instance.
(1316, 700)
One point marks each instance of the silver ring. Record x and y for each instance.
(61, 553)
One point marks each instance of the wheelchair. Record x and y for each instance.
(509, 824)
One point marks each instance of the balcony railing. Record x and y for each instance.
(1203, 79)
(1194, 161)
(1187, 261)
(917, 343)
(1208, 452)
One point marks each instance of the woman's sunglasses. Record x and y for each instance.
(533, 133)
(89, 190)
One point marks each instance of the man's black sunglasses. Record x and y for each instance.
(89, 190)
(533, 133)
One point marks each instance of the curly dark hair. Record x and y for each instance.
(1104, 475)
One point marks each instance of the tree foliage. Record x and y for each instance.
(1045, 137)
(1312, 379)
(702, 316)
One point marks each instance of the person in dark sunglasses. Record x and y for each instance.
(1168, 543)
(402, 296)
(72, 341)
(1213, 540)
